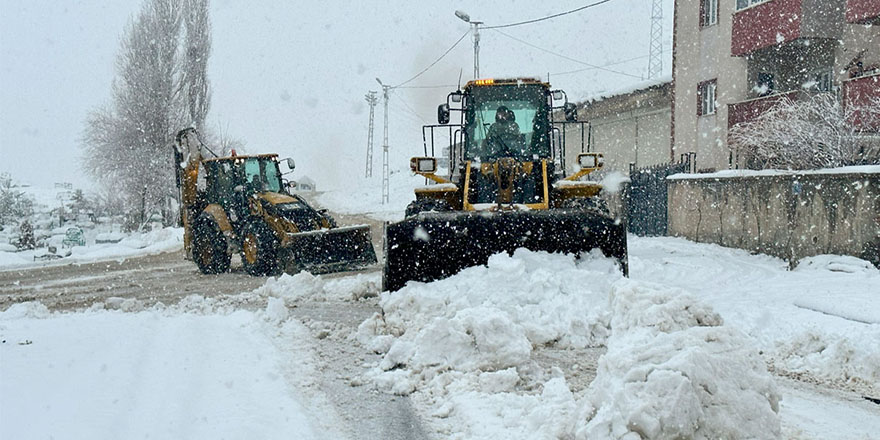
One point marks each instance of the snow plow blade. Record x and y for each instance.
(434, 245)
(328, 250)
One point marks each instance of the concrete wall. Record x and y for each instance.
(789, 216)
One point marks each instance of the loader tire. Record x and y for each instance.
(209, 247)
(259, 249)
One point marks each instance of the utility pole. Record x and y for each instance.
(385, 182)
(655, 54)
(372, 100)
(476, 24)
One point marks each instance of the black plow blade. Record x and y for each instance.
(329, 250)
(435, 245)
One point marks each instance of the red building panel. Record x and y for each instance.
(863, 11)
(747, 111)
(766, 24)
(862, 92)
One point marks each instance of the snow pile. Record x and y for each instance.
(672, 370)
(819, 322)
(488, 318)
(304, 286)
(464, 347)
(837, 263)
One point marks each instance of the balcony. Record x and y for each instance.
(778, 22)
(863, 11)
(747, 111)
(861, 92)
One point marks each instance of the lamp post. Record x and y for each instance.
(476, 24)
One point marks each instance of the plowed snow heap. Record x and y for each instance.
(506, 186)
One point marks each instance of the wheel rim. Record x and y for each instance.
(249, 248)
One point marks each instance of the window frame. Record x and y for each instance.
(823, 77)
(703, 105)
(708, 13)
(749, 4)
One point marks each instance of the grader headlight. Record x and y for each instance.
(591, 160)
(423, 165)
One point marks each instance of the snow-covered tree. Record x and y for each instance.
(161, 86)
(14, 204)
(818, 132)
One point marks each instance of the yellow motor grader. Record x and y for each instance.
(246, 207)
(506, 187)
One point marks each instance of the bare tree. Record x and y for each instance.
(161, 86)
(818, 132)
(197, 49)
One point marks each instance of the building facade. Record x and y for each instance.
(734, 59)
(629, 126)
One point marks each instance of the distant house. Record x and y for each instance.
(305, 184)
(630, 126)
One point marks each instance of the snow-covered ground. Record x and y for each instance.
(129, 245)
(688, 339)
(364, 195)
(104, 239)
(191, 371)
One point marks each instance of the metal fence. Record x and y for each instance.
(647, 199)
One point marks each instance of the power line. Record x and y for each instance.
(436, 61)
(441, 86)
(605, 65)
(411, 110)
(547, 17)
(567, 57)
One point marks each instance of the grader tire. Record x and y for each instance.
(209, 247)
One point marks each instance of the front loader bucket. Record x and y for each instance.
(328, 250)
(435, 245)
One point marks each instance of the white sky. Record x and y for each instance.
(290, 77)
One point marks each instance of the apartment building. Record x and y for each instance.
(734, 59)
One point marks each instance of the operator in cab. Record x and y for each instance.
(504, 138)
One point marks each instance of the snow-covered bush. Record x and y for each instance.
(818, 132)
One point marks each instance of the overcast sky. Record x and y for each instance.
(290, 77)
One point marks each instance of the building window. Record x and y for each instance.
(742, 4)
(706, 92)
(766, 84)
(708, 13)
(824, 80)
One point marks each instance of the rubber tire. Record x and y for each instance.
(265, 248)
(209, 247)
(426, 205)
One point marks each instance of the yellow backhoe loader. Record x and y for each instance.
(245, 206)
(506, 186)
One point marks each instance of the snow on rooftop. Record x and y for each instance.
(634, 87)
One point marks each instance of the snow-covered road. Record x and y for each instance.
(289, 359)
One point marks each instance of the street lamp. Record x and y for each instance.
(467, 19)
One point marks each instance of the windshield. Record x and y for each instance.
(262, 175)
(508, 121)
